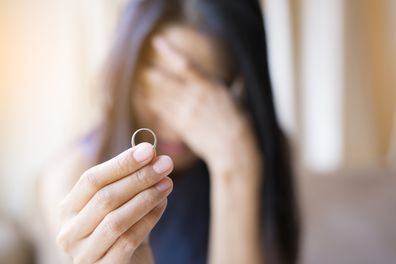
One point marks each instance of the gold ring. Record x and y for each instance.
(144, 129)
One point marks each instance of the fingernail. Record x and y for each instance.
(163, 164)
(143, 152)
(163, 185)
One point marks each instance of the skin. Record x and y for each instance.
(118, 202)
(205, 54)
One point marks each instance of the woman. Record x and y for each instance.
(220, 188)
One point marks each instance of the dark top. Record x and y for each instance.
(181, 236)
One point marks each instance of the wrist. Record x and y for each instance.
(229, 180)
(239, 162)
(243, 172)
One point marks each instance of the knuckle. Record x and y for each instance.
(103, 199)
(195, 106)
(149, 220)
(62, 241)
(129, 243)
(202, 97)
(91, 179)
(142, 178)
(124, 164)
(154, 76)
(113, 225)
(149, 198)
(184, 64)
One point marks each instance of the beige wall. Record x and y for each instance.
(51, 53)
(42, 97)
(342, 80)
(370, 82)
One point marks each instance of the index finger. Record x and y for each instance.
(180, 64)
(107, 172)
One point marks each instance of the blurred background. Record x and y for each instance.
(333, 66)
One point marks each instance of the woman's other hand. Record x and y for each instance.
(199, 108)
(109, 213)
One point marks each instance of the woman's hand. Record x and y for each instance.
(200, 109)
(111, 210)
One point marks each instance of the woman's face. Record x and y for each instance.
(204, 53)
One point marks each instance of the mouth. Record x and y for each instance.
(172, 148)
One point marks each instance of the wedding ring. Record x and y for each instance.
(144, 129)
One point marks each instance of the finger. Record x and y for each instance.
(120, 220)
(105, 173)
(170, 110)
(155, 78)
(178, 64)
(126, 245)
(114, 195)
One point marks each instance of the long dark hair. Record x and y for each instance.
(240, 25)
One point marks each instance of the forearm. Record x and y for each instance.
(235, 235)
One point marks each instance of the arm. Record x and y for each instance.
(235, 235)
